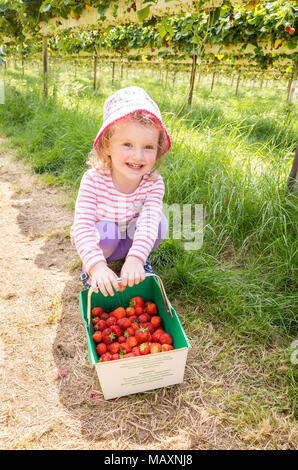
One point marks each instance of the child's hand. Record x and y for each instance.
(132, 271)
(104, 278)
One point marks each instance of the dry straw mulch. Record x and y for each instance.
(41, 330)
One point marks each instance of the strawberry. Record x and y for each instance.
(129, 331)
(167, 347)
(101, 325)
(151, 309)
(136, 302)
(139, 310)
(106, 357)
(156, 321)
(114, 348)
(97, 337)
(125, 347)
(136, 350)
(131, 354)
(130, 311)
(119, 313)
(149, 326)
(134, 318)
(104, 316)
(132, 341)
(101, 348)
(135, 326)
(144, 348)
(155, 348)
(108, 336)
(144, 317)
(115, 357)
(97, 311)
(111, 321)
(117, 330)
(156, 335)
(142, 335)
(165, 338)
(124, 322)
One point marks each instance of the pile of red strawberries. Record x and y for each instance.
(129, 332)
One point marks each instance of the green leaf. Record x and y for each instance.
(162, 30)
(4, 7)
(143, 13)
(46, 7)
(102, 9)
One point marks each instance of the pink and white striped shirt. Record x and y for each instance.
(98, 199)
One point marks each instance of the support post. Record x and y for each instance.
(292, 89)
(213, 77)
(192, 79)
(174, 79)
(292, 181)
(113, 72)
(94, 72)
(45, 65)
(237, 84)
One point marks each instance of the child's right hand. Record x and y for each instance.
(104, 278)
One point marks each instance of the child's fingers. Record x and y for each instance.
(130, 279)
(122, 288)
(137, 278)
(124, 279)
(108, 286)
(115, 283)
(143, 275)
(102, 288)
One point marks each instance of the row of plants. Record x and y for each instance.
(179, 37)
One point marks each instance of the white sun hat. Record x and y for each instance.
(125, 102)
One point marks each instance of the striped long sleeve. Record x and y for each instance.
(99, 200)
(148, 222)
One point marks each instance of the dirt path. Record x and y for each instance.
(41, 330)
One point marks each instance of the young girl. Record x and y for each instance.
(118, 212)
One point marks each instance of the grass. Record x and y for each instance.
(232, 155)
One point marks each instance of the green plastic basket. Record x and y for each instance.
(150, 289)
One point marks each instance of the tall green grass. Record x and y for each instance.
(231, 154)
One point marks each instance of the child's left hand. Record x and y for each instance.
(132, 271)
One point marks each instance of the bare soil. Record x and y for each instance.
(41, 330)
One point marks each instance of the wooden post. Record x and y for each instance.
(174, 79)
(292, 87)
(253, 83)
(292, 181)
(94, 72)
(199, 76)
(237, 84)
(113, 72)
(213, 77)
(45, 65)
(192, 79)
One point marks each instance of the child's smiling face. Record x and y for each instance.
(133, 149)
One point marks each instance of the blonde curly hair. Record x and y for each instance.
(100, 160)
